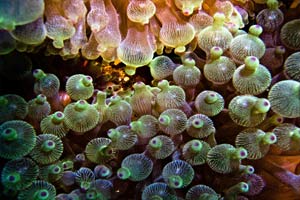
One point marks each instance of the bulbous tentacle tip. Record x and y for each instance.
(130, 70)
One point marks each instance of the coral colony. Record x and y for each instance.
(150, 99)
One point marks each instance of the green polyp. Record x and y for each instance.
(262, 105)
(175, 181)
(136, 126)
(164, 120)
(243, 187)
(48, 145)
(130, 70)
(156, 197)
(39, 74)
(93, 195)
(102, 150)
(211, 98)
(85, 185)
(196, 146)
(255, 30)
(123, 173)
(272, 4)
(280, 50)
(9, 134)
(233, 28)
(68, 165)
(55, 169)
(295, 134)
(246, 169)
(3, 101)
(87, 81)
(197, 123)
(179, 50)
(219, 19)
(251, 63)
(58, 117)
(276, 119)
(236, 189)
(215, 53)
(114, 134)
(40, 99)
(13, 177)
(189, 62)
(163, 84)
(81, 105)
(58, 43)
(239, 153)
(41, 194)
(156, 143)
(269, 138)
(139, 86)
(115, 99)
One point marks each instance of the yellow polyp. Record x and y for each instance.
(58, 44)
(130, 70)
(179, 50)
(117, 61)
(159, 48)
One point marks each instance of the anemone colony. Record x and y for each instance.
(149, 99)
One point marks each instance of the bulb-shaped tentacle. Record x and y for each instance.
(174, 33)
(136, 49)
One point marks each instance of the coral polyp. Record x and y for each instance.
(149, 99)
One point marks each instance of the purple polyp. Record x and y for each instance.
(272, 138)
(50, 143)
(11, 178)
(43, 194)
(7, 131)
(243, 153)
